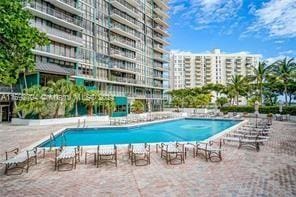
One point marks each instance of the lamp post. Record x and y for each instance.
(256, 106)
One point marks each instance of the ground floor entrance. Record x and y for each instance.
(4, 113)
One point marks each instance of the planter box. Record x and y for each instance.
(54, 121)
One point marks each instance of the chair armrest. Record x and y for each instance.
(15, 151)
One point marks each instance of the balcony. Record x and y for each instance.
(160, 58)
(123, 43)
(161, 13)
(161, 21)
(162, 4)
(160, 67)
(159, 48)
(54, 16)
(123, 79)
(59, 36)
(50, 53)
(123, 31)
(123, 69)
(125, 7)
(68, 5)
(117, 54)
(121, 18)
(159, 77)
(161, 30)
(160, 40)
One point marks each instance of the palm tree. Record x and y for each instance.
(61, 87)
(138, 107)
(91, 98)
(33, 102)
(260, 74)
(284, 70)
(76, 95)
(237, 87)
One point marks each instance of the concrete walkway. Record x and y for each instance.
(270, 172)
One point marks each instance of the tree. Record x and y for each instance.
(91, 98)
(201, 100)
(284, 70)
(61, 88)
(137, 107)
(33, 102)
(260, 74)
(109, 104)
(217, 88)
(76, 95)
(237, 87)
(221, 101)
(17, 39)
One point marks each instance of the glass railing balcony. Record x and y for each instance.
(123, 79)
(162, 4)
(160, 21)
(123, 30)
(59, 33)
(123, 42)
(122, 67)
(55, 13)
(68, 5)
(124, 55)
(161, 30)
(126, 7)
(161, 13)
(125, 19)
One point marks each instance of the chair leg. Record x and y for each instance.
(6, 169)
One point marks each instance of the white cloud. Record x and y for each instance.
(288, 52)
(277, 18)
(205, 12)
(271, 60)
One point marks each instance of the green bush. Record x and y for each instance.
(263, 110)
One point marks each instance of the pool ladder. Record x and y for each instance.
(84, 123)
(53, 140)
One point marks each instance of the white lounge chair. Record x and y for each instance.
(139, 152)
(210, 150)
(66, 156)
(253, 143)
(107, 154)
(173, 152)
(19, 160)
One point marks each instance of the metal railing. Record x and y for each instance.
(57, 32)
(54, 13)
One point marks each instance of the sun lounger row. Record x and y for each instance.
(66, 158)
(140, 118)
(250, 135)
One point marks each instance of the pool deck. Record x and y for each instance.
(270, 172)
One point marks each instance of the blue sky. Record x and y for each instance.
(266, 27)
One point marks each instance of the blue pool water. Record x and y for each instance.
(179, 130)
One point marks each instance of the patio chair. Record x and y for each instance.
(66, 156)
(15, 160)
(138, 153)
(91, 152)
(173, 153)
(211, 150)
(246, 142)
(106, 154)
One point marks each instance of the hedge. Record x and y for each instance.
(263, 110)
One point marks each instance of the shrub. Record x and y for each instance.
(263, 110)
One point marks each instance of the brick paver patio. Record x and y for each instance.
(270, 172)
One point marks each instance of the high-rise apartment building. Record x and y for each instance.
(188, 70)
(114, 46)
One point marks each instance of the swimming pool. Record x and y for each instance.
(177, 130)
